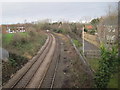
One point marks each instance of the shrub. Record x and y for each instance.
(19, 39)
(54, 30)
(32, 33)
(92, 32)
(85, 30)
(107, 66)
(16, 60)
(60, 30)
(13, 62)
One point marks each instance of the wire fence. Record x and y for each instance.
(92, 53)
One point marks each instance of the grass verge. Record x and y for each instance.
(77, 43)
(94, 63)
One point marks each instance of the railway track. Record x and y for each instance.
(33, 73)
(49, 80)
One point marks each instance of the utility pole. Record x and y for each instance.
(83, 38)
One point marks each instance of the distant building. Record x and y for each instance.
(12, 29)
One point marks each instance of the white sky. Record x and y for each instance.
(59, 0)
(17, 12)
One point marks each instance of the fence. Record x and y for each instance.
(92, 53)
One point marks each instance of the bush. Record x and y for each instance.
(107, 66)
(85, 30)
(32, 33)
(13, 62)
(54, 30)
(92, 32)
(59, 31)
(16, 60)
(19, 39)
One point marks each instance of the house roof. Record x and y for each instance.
(89, 27)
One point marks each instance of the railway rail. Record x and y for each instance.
(33, 73)
(49, 80)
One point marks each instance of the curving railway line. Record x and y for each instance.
(33, 73)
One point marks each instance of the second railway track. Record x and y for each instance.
(33, 73)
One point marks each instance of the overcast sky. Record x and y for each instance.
(32, 11)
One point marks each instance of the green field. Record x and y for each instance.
(7, 38)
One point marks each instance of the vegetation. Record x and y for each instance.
(15, 63)
(92, 32)
(43, 25)
(114, 81)
(21, 48)
(60, 27)
(59, 31)
(77, 43)
(95, 22)
(20, 43)
(6, 38)
(108, 66)
(85, 30)
(94, 63)
(74, 28)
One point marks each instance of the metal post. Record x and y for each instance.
(83, 39)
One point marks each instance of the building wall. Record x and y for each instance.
(12, 28)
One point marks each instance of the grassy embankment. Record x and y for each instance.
(21, 47)
(113, 83)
